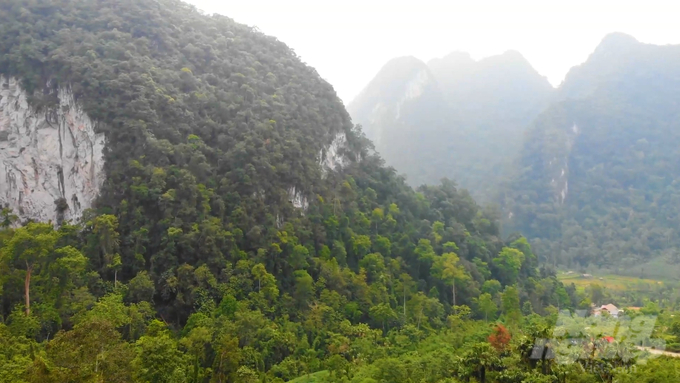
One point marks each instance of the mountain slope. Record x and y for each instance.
(244, 230)
(237, 198)
(402, 86)
(403, 112)
(598, 173)
(467, 124)
(140, 81)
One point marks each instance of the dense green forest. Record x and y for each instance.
(222, 249)
(596, 183)
(452, 117)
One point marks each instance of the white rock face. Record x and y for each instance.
(297, 199)
(558, 165)
(379, 113)
(414, 89)
(384, 115)
(47, 155)
(330, 157)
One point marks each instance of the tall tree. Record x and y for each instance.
(447, 269)
(7, 218)
(486, 306)
(509, 262)
(510, 305)
(105, 227)
(29, 249)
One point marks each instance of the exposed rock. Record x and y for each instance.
(331, 157)
(559, 163)
(386, 100)
(414, 89)
(48, 158)
(297, 198)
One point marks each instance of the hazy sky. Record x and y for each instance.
(349, 41)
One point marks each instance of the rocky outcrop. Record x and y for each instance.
(558, 166)
(297, 198)
(414, 89)
(331, 157)
(51, 161)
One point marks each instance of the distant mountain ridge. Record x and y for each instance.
(589, 170)
(400, 84)
(452, 117)
(597, 178)
(492, 82)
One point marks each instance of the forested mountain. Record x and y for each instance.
(496, 88)
(454, 117)
(598, 175)
(244, 230)
(404, 113)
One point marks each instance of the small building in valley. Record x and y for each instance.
(609, 309)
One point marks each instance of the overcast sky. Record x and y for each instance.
(349, 41)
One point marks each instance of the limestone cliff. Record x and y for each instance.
(51, 161)
(332, 157)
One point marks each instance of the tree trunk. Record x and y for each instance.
(404, 302)
(453, 288)
(27, 288)
(115, 279)
(419, 315)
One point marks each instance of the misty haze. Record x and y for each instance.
(357, 192)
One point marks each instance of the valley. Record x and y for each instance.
(612, 282)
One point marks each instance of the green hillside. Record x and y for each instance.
(246, 231)
(597, 178)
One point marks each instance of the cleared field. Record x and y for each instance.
(613, 282)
